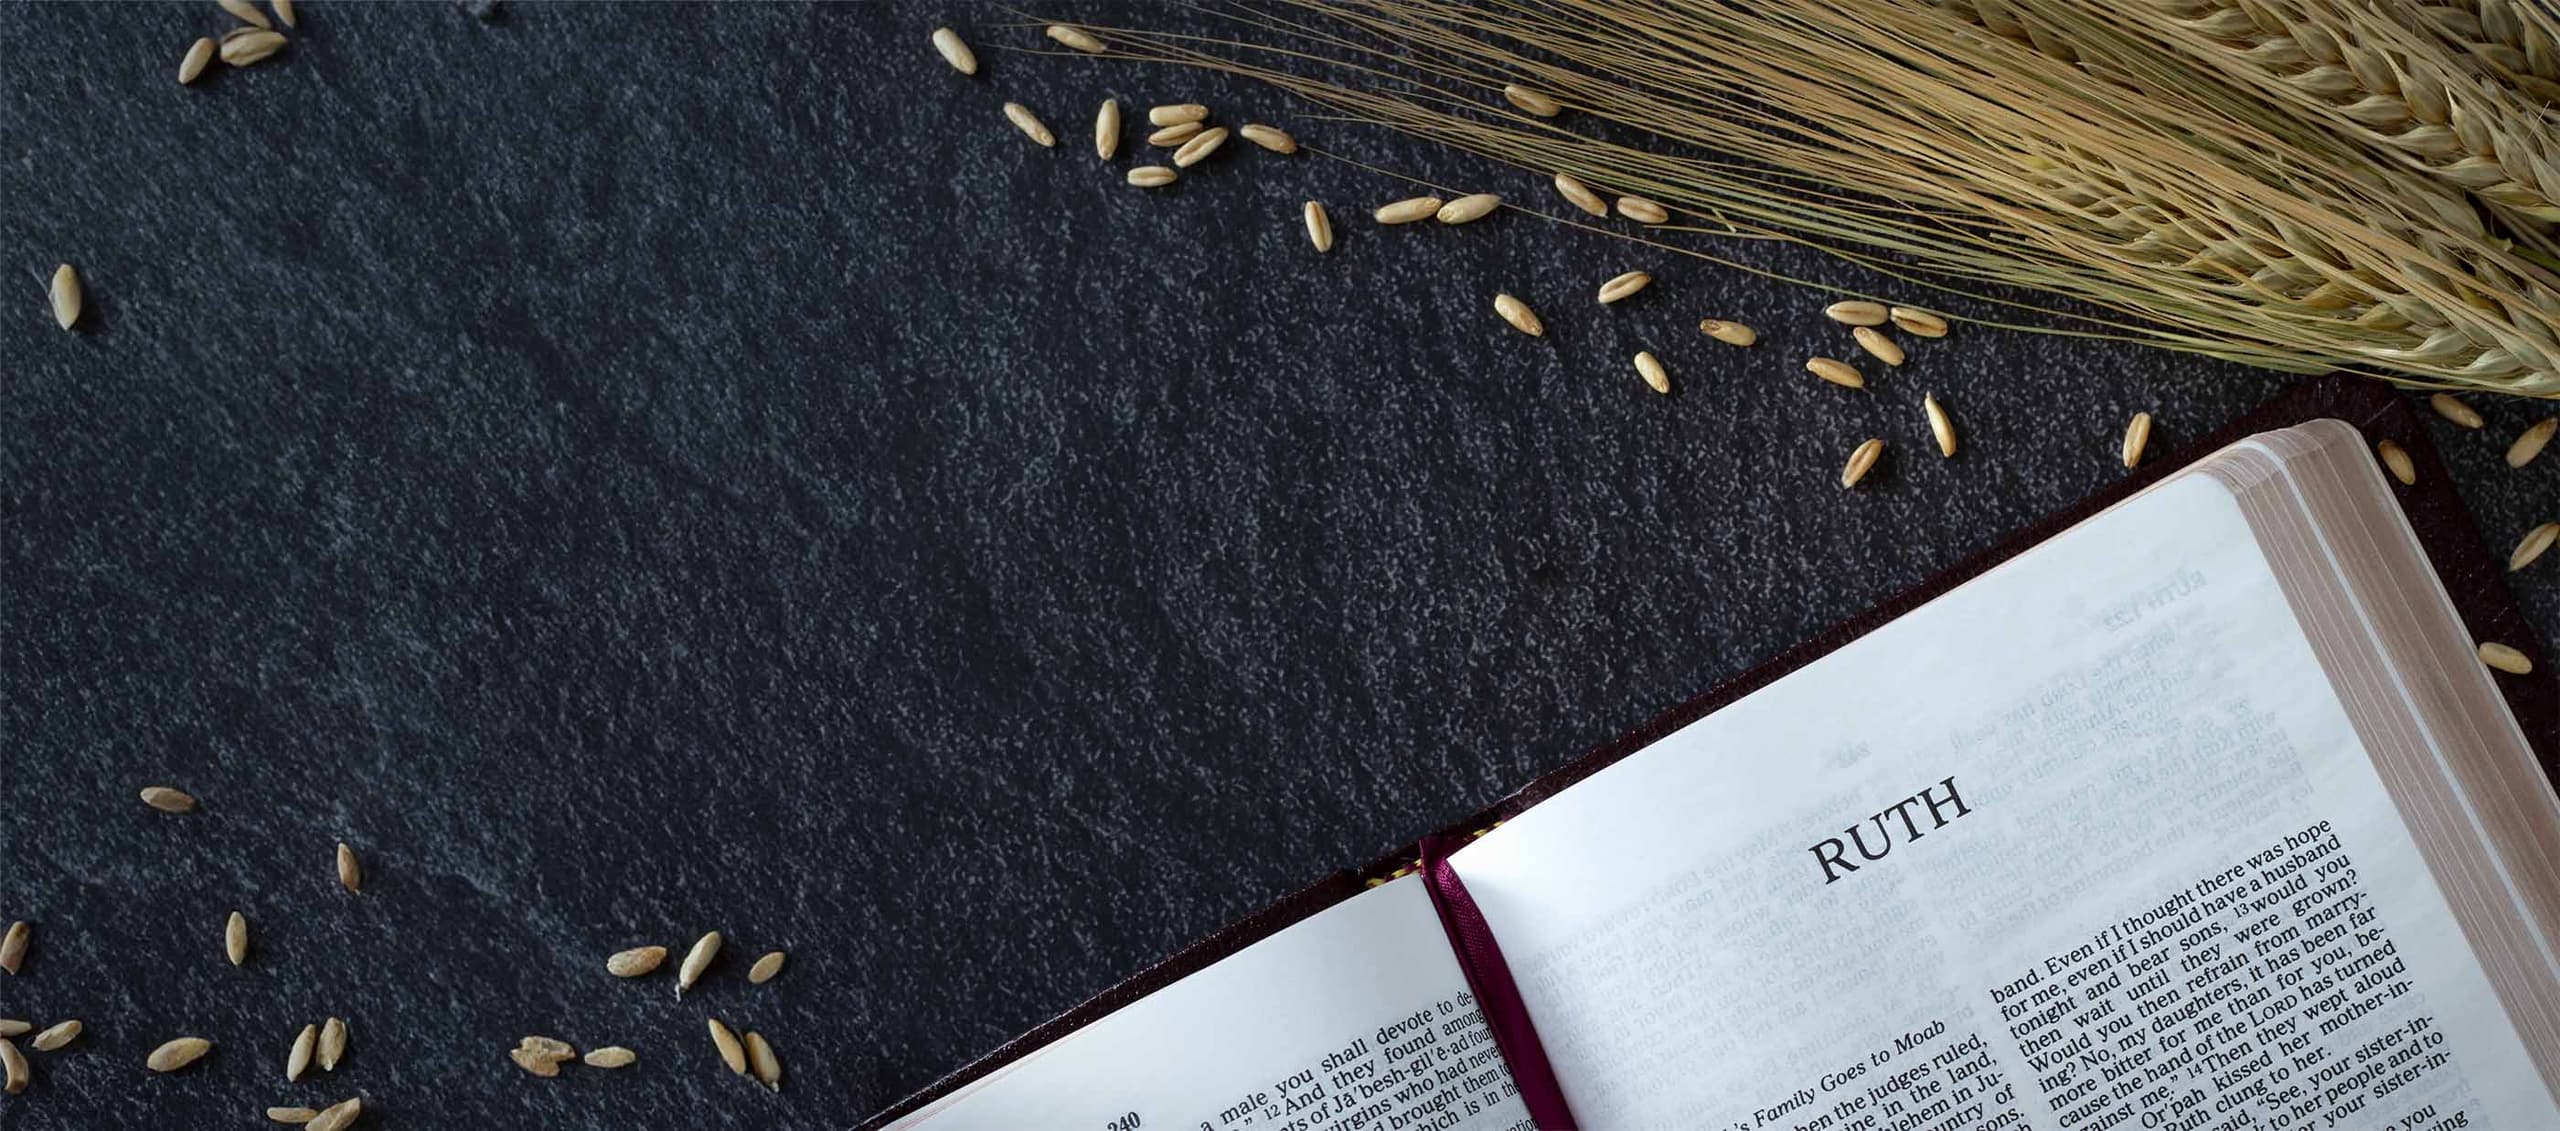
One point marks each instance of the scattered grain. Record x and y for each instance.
(732, 1053)
(198, 54)
(284, 12)
(1152, 176)
(12, 1027)
(760, 1058)
(350, 874)
(333, 1043)
(1272, 138)
(1319, 226)
(955, 51)
(1029, 123)
(1518, 314)
(2451, 408)
(1730, 333)
(178, 1054)
(168, 800)
(1580, 194)
(1650, 368)
(2396, 459)
(2530, 442)
(611, 1056)
(1918, 323)
(1623, 286)
(55, 1036)
(298, 1058)
(246, 12)
(1643, 211)
(235, 939)
(2534, 543)
(243, 50)
(1469, 208)
(292, 1114)
(635, 962)
(765, 968)
(13, 1068)
(1176, 114)
(2505, 659)
(696, 961)
(1076, 38)
(66, 296)
(1174, 136)
(1533, 100)
(1837, 372)
(1200, 147)
(1861, 461)
(542, 1056)
(1106, 129)
(2137, 435)
(1877, 345)
(1939, 426)
(1857, 313)
(13, 946)
(339, 1116)
(1410, 209)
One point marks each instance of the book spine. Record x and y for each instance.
(1489, 978)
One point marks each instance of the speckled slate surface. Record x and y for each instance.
(635, 470)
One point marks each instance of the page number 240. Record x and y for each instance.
(1127, 1122)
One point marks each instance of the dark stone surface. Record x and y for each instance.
(636, 470)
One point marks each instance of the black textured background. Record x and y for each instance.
(635, 470)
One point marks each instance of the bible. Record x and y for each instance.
(2192, 808)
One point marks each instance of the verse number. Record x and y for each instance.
(1127, 1122)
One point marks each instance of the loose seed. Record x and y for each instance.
(1876, 344)
(298, 1058)
(199, 53)
(56, 1035)
(1173, 137)
(242, 50)
(178, 1054)
(2137, 435)
(14, 1065)
(1200, 147)
(66, 296)
(1622, 286)
(333, 1043)
(1319, 226)
(1518, 314)
(955, 51)
(168, 800)
(731, 1052)
(1532, 100)
(1152, 176)
(1918, 323)
(12, 1027)
(1270, 137)
(2530, 442)
(339, 1116)
(542, 1056)
(1580, 195)
(1857, 313)
(1177, 114)
(2535, 542)
(284, 12)
(1076, 38)
(1106, 129)
(1730, 333)
(1861, 461)
(696, 960)
(292, 1114)
(636, 961)
(235, 939)
(1643, 211)
(350, 876)
(2505, 659)
(2397, 460)
(768, 1067)
(1469, 208)
(611, 1056)
(1650, 368)
(765, 968)
(1410, 209)
(1029, 123)
(247, 12)
(2451, 408)
(1837, 372)
(13, 946)
(1939, 426)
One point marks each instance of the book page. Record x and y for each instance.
(1354, 1019)
(2086, 843)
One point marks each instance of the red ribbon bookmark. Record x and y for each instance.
(1489, 978)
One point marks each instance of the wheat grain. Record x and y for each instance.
(1518, 314)
(611, 1056)
(760, 1059)
(13, 946)
(1729, 332)
(2452, 408)
(1469, 208)
(1856, 313)
(1410, 209)
(1152, 176)
(1319, 226)
(297, 1059)
(179, 1053)
(1199, 148)
(1643, 211)
(350, 874)
(1918, 323)
(1106, 129)
(1650, 368)
(1272, 138)
(1837, 372)
(339, 1116)
(731, 1052)
(542, 1056)
(333, 1043)
(292, 1114)
(168, 800)
(243, 50)
(246, 12)
(13, 1027)
(635, 962)
(235, 938)
(2396, 460)
(193, 63)
(1877, 345)
(696, 961)
(13, 1068)
(1173, 136)
(55, 1036)
(2532, 546)
(2504, 658)
(65, 293)
(1532, 100)
(2530, 442)
(955, 51)
(284, 13)
(2137, 436)
(1862, 460)
(1075, 38)
(1580, 195)
(1030, 124)
(1623, 286)
(1940, 427)
(1175, 115)
(765, 968)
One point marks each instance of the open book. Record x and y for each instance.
(2200, 814)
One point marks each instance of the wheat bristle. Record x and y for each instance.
(2396, 460)
(1836, 371)
(2530, 442)
(2535, 542)
(1518, 314)
(955, 51)
(1862, 460)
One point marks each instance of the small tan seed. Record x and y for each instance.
(2530, 442)
(696, 961)
(955, 51)
(298, 1058)
(1152, 176)
(247, 12)
(235, 939)
(333, 1043)
(178, 1054)
(1176, 114)
(2396, 458)
(198, 54)
(1623, 286)
(1075, 37)
(1534, 101)
(1643, 211)
(1837, 372)
(1861, 460)
(339, 1116)
(243, 50)
(350, 875)
(1877, 345)
(765, 968)
(2137, 435)
(2534, 543)
(542, 1056)
(636, 961)
(13, 1068)
(1856, 313)
(284, 12)
(13, 946)
(1173, 137)
(292, 1114)
(2451, 408)
(731, 1052)
(1580, 195)
(1410, 209)
(1469, 208)
(1518, 314)
(1030, 124)
(12, 1027)
(768, 1067)
(1650, 368)
(1106, 129)
(55, 1036)
(66, 296)
(1269, 137)
(2505, 659)
(1199, 148)
(1319, 226)
(1939, 426)
(1730, 333)
(611, 1056)
(1918, 323)
(168, 800)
